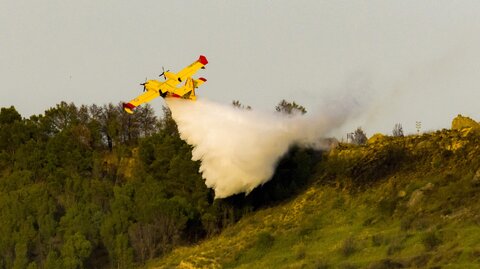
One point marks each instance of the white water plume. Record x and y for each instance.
(239, 149)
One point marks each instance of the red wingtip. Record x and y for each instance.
(203, 79)
(203, 60)
(128, 105)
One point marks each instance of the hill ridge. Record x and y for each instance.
(396, 203)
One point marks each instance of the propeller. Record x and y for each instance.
(143, 84)
(163, 73)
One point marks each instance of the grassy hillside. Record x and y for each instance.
(393, 203)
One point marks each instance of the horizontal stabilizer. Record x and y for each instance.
(199, 82)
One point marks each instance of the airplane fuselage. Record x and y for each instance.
(161, 87)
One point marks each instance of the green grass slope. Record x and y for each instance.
(407, 202)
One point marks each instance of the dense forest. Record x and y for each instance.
(94, 187)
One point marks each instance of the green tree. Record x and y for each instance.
(123, 253)
(114, 227)
(147, 121)
(21, 259)
(111, 125)
(60, 117)
(52, 261)
(75, 251)
(14, 132)
(159, 227)
(9, 115)
(167, 124)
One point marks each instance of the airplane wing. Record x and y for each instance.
(191, 69)
(146, 97)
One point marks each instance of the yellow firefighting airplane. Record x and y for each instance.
(168, 88)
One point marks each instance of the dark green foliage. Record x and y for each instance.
(52, 261)
(65, 201)
(9, 115)
(75, 251)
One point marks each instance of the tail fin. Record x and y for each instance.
(199, 82)
(196, 84)
(188, 90)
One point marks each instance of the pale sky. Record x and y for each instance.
(402, 61)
